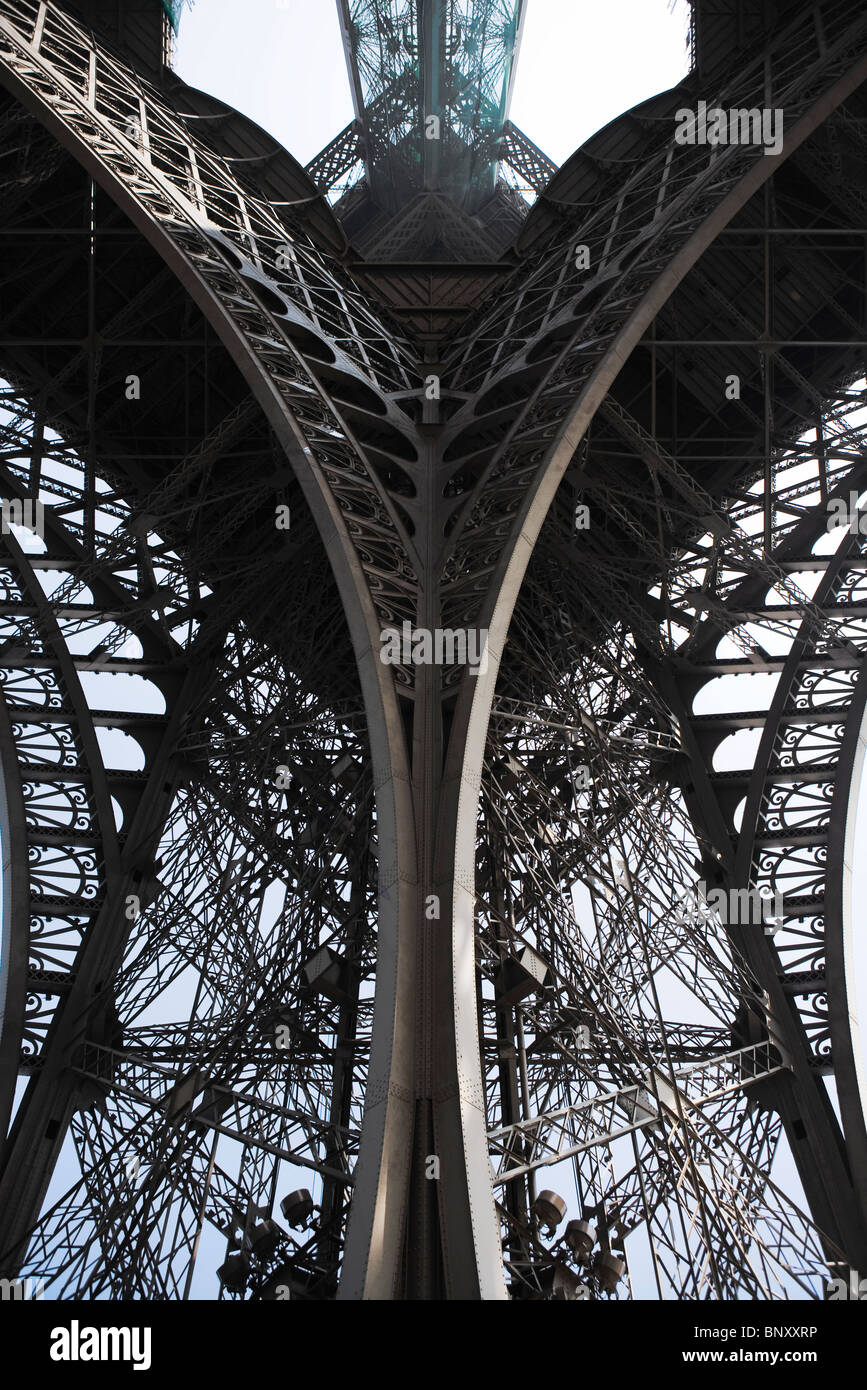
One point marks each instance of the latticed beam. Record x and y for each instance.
(528, 161)
(337, 159)
(450, 63)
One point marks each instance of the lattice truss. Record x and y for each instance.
(229, 865)
(477, 43)
(639, 1056)
(209, 1024)
(528, 342)
(585, 875)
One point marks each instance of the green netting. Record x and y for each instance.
(449, 59)
(173, 9)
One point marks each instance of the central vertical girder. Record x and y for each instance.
(450, 60)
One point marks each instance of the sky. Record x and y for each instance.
(582, 63)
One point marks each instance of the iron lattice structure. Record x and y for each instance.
(452, 62)
(409, 939)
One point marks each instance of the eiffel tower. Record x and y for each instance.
(433, 631)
